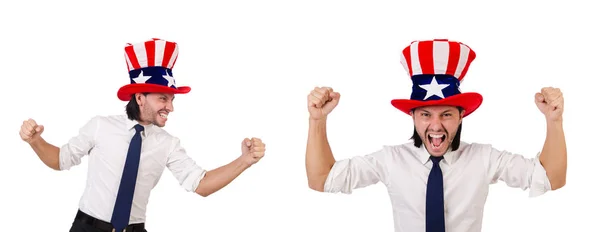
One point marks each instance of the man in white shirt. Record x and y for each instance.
(436, 183)
(128, 153)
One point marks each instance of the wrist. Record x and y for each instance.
(554, 123)
(317, 121)
(243, 162)
(36, 142)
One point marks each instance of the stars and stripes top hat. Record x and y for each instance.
(150, 65)
(437, 68)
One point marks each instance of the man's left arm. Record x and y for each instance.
(554, 153)
(545, 172)
(192, 177)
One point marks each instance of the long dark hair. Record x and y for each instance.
(455, 143)
(133, 109)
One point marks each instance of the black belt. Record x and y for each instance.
(105, 226)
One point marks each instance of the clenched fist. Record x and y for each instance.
(252, 150)
(321, 101)
(550, 102)
(30, 131)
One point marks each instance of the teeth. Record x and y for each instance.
(163, 115)
(432, 136)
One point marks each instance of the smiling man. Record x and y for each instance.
(128, 153)
(437, 183)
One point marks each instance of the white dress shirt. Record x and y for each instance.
(468, 172)
(105, 139)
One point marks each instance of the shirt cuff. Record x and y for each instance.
(192, 183)
(336, 179)
(540, 183)
(66, 159)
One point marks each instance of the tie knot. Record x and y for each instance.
(138, 128)
(436, 160)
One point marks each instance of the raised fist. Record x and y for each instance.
(30, 131)
(321, 101)
(550, 102)
(252, 150)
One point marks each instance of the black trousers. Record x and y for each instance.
(87, 223)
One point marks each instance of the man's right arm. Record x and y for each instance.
(319, 158)
(48, 153)
(325, 174)
(66, 156)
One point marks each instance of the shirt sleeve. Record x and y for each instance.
(70, 154)
(518, 172)
(357, 172)
(184, 168)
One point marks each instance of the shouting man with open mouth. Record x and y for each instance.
(436, 183)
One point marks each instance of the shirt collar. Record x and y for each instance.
(148, 129)
(424, 155)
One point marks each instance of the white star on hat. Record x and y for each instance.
(434, 89)
(170, 79)
(141, 78)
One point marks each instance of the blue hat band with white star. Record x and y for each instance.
(427, 87)
(153, 75)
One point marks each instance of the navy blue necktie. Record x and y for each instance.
(434, 206)
(122, 209)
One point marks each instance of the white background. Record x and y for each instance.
(251, 64)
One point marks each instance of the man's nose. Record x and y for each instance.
(435, 124)
(170, 106)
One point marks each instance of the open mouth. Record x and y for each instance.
(163, 115)
(436, 140)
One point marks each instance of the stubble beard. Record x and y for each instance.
(150, 116)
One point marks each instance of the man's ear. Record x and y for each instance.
(140, 98)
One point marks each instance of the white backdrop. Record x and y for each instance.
(251, 64)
